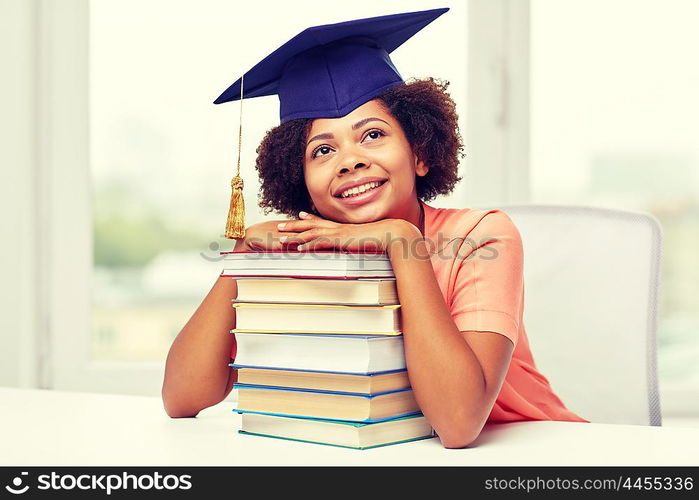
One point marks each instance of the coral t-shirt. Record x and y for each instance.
(477, 259)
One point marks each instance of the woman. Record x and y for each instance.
(358, 167)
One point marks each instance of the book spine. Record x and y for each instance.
(366, 421)
(242, 386)
(365, 374)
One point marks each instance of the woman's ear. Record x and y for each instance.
(420, 168)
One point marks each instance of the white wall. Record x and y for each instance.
(17, 186)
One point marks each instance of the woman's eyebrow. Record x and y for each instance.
(320, 137)
(357, 125)
(363, 122)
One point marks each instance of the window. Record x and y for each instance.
(614, 120)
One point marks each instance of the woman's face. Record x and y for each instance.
(368, 149)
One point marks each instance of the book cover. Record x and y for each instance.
(281, 290)
(341, 382)
(330, 405)
(318, 318)
(355, 354)
(353, 435)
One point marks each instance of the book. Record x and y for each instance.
(306, 273)
(361, 291)
(349, 406)
(354, 354)
(324, 381)
(355, 435)
(307, 264)
(317, 318)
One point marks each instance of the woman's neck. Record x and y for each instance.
(416, 216)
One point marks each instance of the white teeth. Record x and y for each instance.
(359, 189)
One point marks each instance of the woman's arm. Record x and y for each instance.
(456, 376)
(197, 374)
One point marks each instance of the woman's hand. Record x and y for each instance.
(261, 237)
(312, 232)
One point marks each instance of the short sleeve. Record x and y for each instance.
(488, 289)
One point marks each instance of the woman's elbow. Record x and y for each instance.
(457, 440)
(175, 407)
(175, 410)
(180, 412)
(458, 435)
(180, 405)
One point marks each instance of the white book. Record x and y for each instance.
(307, 273)
(356, 354)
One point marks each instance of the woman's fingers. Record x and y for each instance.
(317, 244)
(304, 225)
(266, 246)
(303, 237)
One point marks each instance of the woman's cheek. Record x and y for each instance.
(320, 194)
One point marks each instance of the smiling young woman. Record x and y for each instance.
(358, 175)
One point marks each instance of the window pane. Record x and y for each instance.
(615, 115)
(162, 155)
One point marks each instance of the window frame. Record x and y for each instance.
(65, 210)
(497, 166)
(63, 42)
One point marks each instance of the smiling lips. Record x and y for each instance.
(366, 193)
(355, 188)
(348, 193)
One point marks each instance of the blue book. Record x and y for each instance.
(321, 404)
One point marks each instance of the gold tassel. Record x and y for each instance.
(235, 226)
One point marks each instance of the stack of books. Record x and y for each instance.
(320, 350)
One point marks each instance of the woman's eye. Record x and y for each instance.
(321, 151)
(373, 134)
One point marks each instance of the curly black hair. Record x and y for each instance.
(423, 108)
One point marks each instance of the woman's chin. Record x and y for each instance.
(369, 212)
(366, 213)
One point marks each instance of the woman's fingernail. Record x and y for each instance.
(303, 214)
(300, 247)
(283, 239)
(281, 225)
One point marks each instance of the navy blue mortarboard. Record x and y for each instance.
(325, 72)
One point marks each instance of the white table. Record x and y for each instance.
(64, 428)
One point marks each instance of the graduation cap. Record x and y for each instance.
(325, 72)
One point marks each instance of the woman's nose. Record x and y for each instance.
(352, 162)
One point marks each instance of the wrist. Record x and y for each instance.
(404, 240)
